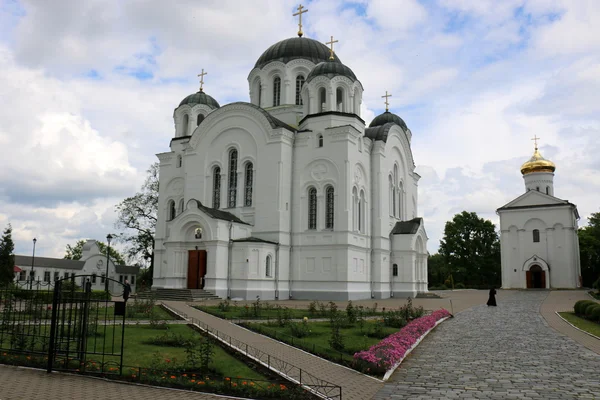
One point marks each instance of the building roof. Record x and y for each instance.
(295, 48)
(200, 98)
(16, 269)
(331, 68)
(386, 117)
(537, 163)
(379, 132)
(254, 239)
(340, 113)
(127, 269)
(219, 214)
(48, 262)
(274, 122)
(407, 227)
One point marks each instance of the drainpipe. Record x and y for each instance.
(229, 253)
(277, 272)
(292, 201)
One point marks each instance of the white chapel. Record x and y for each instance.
(290, 195)
(538, 233)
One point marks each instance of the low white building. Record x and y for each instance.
(538, 239)
(46, 270)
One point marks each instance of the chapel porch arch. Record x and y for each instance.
(537, 273)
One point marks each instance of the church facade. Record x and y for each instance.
(538, 239)
(290, 195)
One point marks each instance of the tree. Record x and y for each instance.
(471, 250)
(137, 215)
(7, 257)
(76, 252)
(437, 270)
(589, 250)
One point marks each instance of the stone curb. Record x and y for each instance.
(580, 330)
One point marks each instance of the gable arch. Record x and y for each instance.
(535, 223)
(535, 260)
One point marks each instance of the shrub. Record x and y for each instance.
(394, 319)
(589, 308)
(595, 316)
(596, 285)
(312, 308)
(171, 339)
(350, 313)
(336, 341)
(224, 305)
(300, 329)
(459, 285)
(377, 331)
(581, 305)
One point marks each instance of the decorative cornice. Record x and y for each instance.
(165, 157)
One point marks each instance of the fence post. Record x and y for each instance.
(53, 325)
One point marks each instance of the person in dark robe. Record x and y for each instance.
(492, 299)
(126, 290)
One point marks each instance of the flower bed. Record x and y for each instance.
(390, 352)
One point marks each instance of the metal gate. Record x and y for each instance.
(64, 325)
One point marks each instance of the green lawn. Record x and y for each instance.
(581, 323)
(267, 312)
(317, 342)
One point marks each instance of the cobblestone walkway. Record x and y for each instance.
(504, 352)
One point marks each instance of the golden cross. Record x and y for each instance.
(331, 50)
(202, 78)
(299, 14)
(535, 139)
(386, 100)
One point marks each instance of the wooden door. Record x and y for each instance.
(193, 261)
(202, 267)
(543, 279)
(529, 279)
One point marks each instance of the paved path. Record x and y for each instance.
(504, 352)
(356, 386)
(32, 384)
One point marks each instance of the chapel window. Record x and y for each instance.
(400, 197)
(276, 91)
(248, 185)
(339, 95)
(536, 235)
(322, 99)
(184, 127)
(179, 161)
(537, 188)
(299, 84)
(361, 212)
(268, 266)
(548, 190)
(217, 187)
(354, 209)
(232, 196)
(320, 140)
(395, 270)
(199, 119)
(329, 207)
(172, 213)
(391, 195)
(312, 208)
(180, 206)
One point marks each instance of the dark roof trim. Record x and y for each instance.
(47, 262)
(380, 132)
(176, 139)
(338, 113)
(568, 204)
(275, 123)
(218, 214)
(407, 227)
(253, 239)
(127, 269)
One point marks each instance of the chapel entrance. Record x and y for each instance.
(196, 269)
(536, 278)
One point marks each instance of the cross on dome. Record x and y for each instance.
(387, 104)
(202, 78)
(535, 139)
(331, 42)
(299, 14)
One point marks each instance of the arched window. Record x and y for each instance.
(248, 185)
(537, 188)
(361, 212)
(339, 102)
(548, 190)
(276, 91)
(329, 207)
(184, 127)
(181, 206)
(536, 235)
(312, 208)
(172, 210)
(179, 161)
(320, 140)
(259, 89)
(299, 84)
(400, 202)
(322, 99)
(354, 209)
(395, 190)
(395, 270)
(199, 119)
(232, 195)
(268, 266)
(391, 195)
(217, 187)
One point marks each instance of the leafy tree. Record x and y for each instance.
(437, 270)
(589, 250)
(76, 252)
(137, 216)
(7, 257)
(471, 250)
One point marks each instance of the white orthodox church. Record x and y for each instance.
(538, 233)
(290, 195)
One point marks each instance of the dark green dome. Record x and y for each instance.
(331, 69)
(200, 98)
(294, 48)
(386, 117)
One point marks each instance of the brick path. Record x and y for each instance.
(356, 386)
(508, 352)
(31, 384)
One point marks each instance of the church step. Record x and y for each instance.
(177, 294)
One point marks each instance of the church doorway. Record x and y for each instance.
(536, 278)
(196, 269)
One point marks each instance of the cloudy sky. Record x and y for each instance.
(87, 91)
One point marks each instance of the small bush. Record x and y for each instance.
(459, 285)
(590, 308)
(312, 308)
(377, 330)
(595, 316)
(224, 306)
(299, 329)
(171, 339)
(350, 313)
(581, 305)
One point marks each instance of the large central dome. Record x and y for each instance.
(294, 48)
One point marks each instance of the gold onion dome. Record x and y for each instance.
(537, 163)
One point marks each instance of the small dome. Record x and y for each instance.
(294, 48)
(386, 117)
(200, 98)
(331, 68)
(537, 163)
